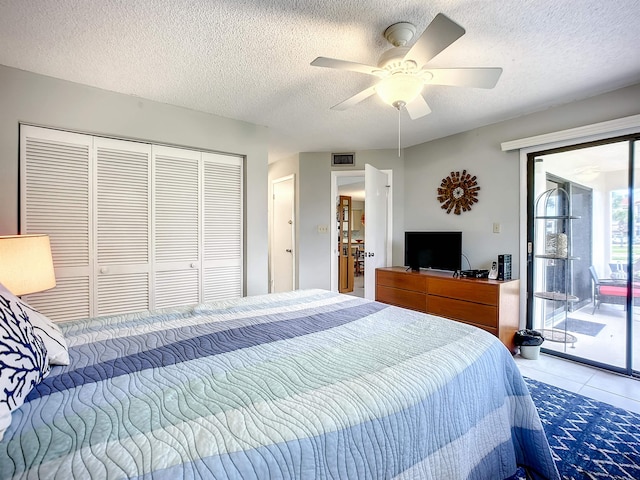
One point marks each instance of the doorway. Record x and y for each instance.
(583, 270)
(369, 262)
(346, 254)
(352, 241)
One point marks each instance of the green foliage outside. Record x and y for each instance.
(619, 254)
(619, 227)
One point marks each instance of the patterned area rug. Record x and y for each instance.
(589, 439)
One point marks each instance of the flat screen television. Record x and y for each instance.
(435, 250)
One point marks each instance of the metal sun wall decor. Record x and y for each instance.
(458, 192)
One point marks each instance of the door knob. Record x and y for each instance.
(288, 250)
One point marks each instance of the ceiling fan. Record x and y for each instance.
(402, 70)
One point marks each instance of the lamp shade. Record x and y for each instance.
(26, 265)
(399, 89)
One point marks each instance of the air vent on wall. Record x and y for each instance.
(343, 159)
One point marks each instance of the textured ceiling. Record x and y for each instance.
(249, 59)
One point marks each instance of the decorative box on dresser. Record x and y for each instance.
(492, 305)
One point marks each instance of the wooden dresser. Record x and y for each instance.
(492, 305)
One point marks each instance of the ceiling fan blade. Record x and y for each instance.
(346, 65)
(465, 77)
(357, 98)
(440, 33)
(418, 108)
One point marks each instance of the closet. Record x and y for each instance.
(133, 226)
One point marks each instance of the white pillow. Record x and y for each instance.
(23, 358)
(57, 350)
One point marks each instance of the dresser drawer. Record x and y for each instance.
(488, 304)
(405, 281)
(471, 291)
(474, 313)
(491, 330)
(401, 298)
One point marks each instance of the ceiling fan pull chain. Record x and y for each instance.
(398, 132)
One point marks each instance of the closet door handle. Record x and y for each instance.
(288, 250)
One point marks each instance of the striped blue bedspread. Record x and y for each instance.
(308, 384)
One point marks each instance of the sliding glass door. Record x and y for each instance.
(584, 243)
(634, 254)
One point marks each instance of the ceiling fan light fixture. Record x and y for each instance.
(400, 89)
(403, 69)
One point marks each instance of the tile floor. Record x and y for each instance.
(606, 345)
(617, 390)
(358, 286)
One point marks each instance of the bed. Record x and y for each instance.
(305, 384)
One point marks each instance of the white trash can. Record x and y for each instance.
(530, 352)
(529, 342)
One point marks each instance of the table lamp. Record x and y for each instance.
(26, 265)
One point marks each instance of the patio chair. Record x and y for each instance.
(612, 291)
(618, 270)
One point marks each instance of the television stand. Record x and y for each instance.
(492, 305)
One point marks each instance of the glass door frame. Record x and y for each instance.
(633, 141)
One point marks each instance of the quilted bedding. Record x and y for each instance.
(308, 384)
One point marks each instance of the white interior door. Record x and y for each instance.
(122, 231)
(176, 225)
(56, 194)
(282, 235)
(222, 226)
(375, 226)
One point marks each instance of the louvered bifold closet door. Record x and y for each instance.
(55, 199)
(176, 218)
(122, 226)
(222, 224)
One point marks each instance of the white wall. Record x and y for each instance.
(425, 167)
(44, 101)
(478, 151)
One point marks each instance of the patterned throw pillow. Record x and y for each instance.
(57, 350)
(23, 358)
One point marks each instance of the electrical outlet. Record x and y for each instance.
(323, 229)
(496, 227)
